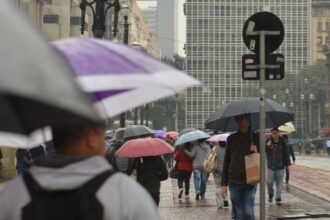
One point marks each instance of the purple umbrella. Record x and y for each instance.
(160, 133)
(219, 137)
(120, 77)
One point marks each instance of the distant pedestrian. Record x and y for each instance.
(328, 146)
(199, 152)
(23, 161)
(301, 146)
(149, 172)
(184, 168)
(220, 152)
(239, 145)
(278, 158)
(291, 151)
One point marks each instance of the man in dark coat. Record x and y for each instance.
(150, 171)
(278, 158)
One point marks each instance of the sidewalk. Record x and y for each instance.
(295, 201)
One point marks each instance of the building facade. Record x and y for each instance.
(320, 28)
(215, 47)
(57, 19)
(167, 27)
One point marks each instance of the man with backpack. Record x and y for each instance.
(76, 183)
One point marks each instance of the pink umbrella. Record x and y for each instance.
(172, 134)
(143, 147)
(219, 137)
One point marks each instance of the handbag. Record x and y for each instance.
(252, 168)
(174, 171)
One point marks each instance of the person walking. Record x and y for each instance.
(149, 172)
(78, 181)
(291, 151)
(198, 153)
(184, 168)
(328, 147)
(278, 158)
(220, 152)
(239, 145)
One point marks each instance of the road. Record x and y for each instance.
(314, 162)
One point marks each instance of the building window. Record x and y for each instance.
(319, 41)
(75, 20)
(51, 19)
(319, 26)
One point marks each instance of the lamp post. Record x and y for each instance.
(125, 11)
(99, 13)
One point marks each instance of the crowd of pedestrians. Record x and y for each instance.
(78, 164)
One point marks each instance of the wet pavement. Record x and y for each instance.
(296, 201)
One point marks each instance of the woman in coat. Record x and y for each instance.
(184, 168)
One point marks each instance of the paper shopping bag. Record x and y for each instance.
(252, 168)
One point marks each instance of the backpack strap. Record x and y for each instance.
(90, 186)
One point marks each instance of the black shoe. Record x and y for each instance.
(270, 199)
(202, 197)
(278, 202)
(225, 204)
(180, 194)
(287, 181)
(197, 196)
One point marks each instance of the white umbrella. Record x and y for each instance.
(119, 77)
(287, 127)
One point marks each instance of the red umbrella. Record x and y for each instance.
(172, 134)
(143, 147)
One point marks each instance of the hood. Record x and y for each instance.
(64, 173)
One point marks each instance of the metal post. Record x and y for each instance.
(126, 26)
(262, 125)
(98, 25)
(176, 126)
(309, 115)
(318, 116)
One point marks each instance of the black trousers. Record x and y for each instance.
(287, 174)
(184, 177)
(156, 197)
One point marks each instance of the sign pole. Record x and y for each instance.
(262, 54)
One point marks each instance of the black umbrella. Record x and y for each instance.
(223, 118)
(37, 87)
(135, 131)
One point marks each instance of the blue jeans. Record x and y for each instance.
(200, 177)
(242, 198)
(277, 177)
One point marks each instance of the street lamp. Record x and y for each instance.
(99, 14)
(125, 11)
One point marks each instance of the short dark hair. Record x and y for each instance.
(275, 129)
(69, 134)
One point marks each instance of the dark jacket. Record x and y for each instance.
(150, 171)
(119, 164)
(238, 146)
(290, 146)
(277, 155)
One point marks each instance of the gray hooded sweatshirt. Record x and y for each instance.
(198, 152)
(121, 197)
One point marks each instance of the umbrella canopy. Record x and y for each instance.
(136, 131)
(160, 133)
(171, 134)
(37, 87)
(143, 147)
(219, 137)
(121, 77)
(191, 136)
(36, 138)
(223, 118)
(287, 127)
(187, 130)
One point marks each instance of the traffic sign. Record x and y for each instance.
(267, 22)
(274, 67)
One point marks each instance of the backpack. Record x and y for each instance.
(75, 204)
(210, 163)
